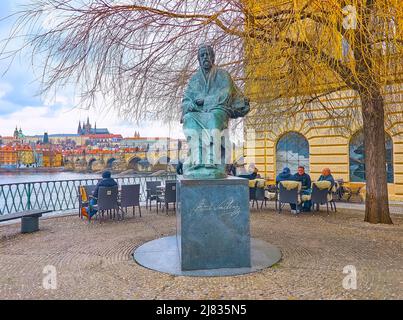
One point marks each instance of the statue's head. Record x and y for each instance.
(206, 57)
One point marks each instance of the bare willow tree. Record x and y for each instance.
(138, 55)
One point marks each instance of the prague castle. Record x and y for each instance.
(86, 129)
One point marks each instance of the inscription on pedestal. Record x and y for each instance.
(213, 229)
(227, 207)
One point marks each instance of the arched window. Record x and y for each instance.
(357, 157)
(292, 150)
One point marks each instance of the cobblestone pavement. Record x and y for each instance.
(94, 260)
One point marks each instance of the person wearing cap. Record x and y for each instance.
(284, 175)
(107, 181)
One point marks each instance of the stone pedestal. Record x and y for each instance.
(213, 229)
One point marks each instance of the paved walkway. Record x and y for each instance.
(94, 260)
(394, 206)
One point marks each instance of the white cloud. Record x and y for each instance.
(56, 115)
(37, 120)
(58, 99)
(5, 88)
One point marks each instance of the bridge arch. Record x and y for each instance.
(133, 163)
(109, 162)
(90, 163)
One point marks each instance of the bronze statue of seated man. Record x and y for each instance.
(210, 100)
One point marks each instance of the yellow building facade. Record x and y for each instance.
(309, 140)
(26, 157)
(52, 159)
(8, 156)
(326, 132)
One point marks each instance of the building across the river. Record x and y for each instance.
(86, 135)
(8, 156)
(25, 156)
(162, 145)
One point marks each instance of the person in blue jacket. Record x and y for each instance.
(254, 175)
(327, 176)
(179, 168)
(285, 175)
(305, 180)
(106, 181)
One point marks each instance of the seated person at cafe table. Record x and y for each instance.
(285, 175)
(327, 176)
(254, 175)
(107, 181)
(305, 180)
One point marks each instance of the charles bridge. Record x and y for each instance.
(121, 160)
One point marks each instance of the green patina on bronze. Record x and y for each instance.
(210, 100)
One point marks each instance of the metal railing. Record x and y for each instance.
(59, 195)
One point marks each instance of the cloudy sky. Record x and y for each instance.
(21, 106)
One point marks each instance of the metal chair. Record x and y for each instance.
(288, 196)
(257, 194)
(331, 196)
(130, 197)
(321, 196)
(89, 189)
(338, 183)
(273, 192)
(107, 201)
(169, 195)
(151, 188)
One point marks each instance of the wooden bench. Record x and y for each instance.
(29, 219)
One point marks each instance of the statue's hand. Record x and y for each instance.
(200, 102)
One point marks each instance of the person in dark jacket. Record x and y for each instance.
(254, 175)
(107, 181)
(179, 168)
(285, 175)
(305, 180)
(303, 177)
(327, 176)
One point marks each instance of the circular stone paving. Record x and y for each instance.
(162, 255)
(94, 260)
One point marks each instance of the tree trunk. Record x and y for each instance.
(376, 201)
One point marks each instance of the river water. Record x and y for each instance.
(60, 192)
(20, 177)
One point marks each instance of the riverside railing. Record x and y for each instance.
(59, 195)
